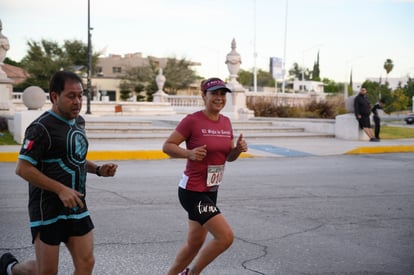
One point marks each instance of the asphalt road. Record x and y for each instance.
(348, 214)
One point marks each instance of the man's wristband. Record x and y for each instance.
(98, 171)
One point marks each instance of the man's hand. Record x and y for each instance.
(70, 198)
(108, 169)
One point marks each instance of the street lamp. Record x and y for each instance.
(254, 50)
(88, 84)
(284, 49)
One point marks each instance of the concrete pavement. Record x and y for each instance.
(331, 215)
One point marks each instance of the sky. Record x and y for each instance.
(350, 35)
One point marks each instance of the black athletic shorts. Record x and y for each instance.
(364, 122)
(62, 230)
(201, 206)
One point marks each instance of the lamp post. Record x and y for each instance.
(284, 48)
(254, 50)
(88, 84)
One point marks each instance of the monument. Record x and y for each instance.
(236, 101)
(160, 95)
(6, 86)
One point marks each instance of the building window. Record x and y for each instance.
(116, 70)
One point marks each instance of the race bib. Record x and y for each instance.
(214, 175)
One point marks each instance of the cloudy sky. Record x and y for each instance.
(357, 35)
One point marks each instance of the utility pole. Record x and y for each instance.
(88, 84)
(284, 50)
(254, 52)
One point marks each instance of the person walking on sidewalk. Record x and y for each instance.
(53, 161)
(376, 117)
(362, 109)
(209, 144)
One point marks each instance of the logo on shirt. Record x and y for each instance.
(28, 144)
(78, 146)
(215, 132)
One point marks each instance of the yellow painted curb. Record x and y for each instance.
(382, 149)
(8, 156)
(112, 155)
(135, 155)
(126, 155)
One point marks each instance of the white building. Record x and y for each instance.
(308, 86)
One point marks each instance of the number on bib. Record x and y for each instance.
(214, 175)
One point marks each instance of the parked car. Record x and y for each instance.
(409, 119)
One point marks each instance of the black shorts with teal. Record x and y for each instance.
(62, 230)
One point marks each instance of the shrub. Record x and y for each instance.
(329, 108)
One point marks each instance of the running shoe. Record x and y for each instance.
(185, 272)
(5, 260)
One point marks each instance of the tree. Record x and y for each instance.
(388, 66)
(296, 71)
(399, 101)
(264, 78)
(316, 71)
(331, 87)
(409, 91)
(350, 86)
(135, 80)
(375, 89)
(177, 72)
(11, 62)
(245, 78)
(46, 57)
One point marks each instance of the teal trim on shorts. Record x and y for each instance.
(61, 217)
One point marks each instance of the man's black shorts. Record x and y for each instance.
(201, 206)
(364, 122)
(62, 230)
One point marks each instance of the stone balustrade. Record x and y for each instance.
(180, 104)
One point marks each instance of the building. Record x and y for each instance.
(308, 86)
(17, 74)
(106, 82)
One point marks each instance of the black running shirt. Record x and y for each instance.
(58, 148)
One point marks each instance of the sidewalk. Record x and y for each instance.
(283, 147)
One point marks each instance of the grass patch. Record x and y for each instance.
(6, 138)
(391, 132)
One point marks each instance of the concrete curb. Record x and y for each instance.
(113, 155)
(382, 149)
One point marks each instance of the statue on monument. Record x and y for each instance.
(233, 61)
(4, 45)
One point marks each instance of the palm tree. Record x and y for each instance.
(388, 65)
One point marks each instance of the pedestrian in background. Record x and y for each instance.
(362, 109)
(53, 161)
(209, 144)
(377, 120)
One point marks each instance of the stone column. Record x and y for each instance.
(237, 104)
(6, 87)
(160, 95)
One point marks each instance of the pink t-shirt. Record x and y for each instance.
(198, 130)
